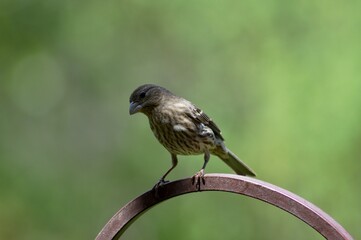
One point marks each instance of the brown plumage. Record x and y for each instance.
(182, 128)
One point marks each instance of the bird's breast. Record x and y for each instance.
(180, 135)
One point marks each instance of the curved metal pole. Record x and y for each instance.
(247, 186)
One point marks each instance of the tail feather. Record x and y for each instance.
(236, 164)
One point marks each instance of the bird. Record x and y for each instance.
(183, 129)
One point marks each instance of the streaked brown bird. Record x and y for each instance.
(183, 129)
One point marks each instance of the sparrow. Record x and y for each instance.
(183, 129)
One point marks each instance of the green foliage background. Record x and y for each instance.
(281, 79)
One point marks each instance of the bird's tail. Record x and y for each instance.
(235, 163)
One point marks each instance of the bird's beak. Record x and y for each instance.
(134, 108)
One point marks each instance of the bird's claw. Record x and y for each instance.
(198, 178)
(157, 187)
(160, 183)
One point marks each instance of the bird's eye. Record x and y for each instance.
(142, 95)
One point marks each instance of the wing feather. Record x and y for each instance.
(199, 116)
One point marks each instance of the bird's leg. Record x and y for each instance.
(162, 180)
(199, 176)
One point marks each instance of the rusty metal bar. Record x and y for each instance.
(247, 186)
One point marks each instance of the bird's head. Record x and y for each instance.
(145, 98)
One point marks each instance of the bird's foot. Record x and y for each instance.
(198, 178)
(160, 183)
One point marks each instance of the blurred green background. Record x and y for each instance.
(280, 78)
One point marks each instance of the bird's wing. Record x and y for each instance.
(199, 116)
